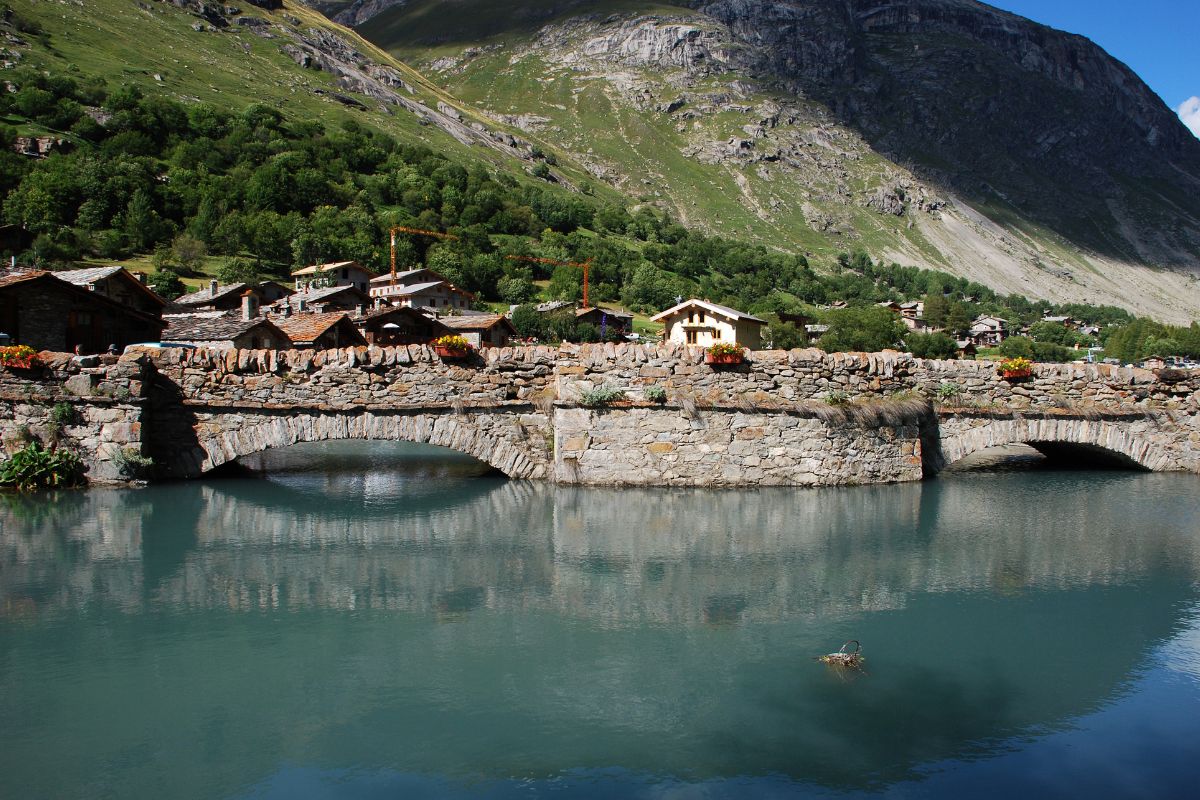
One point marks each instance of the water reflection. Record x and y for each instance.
(432, 622)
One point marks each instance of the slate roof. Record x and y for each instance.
(210, 329)
(82, 277)
(21, 277)
(315, 268)
(204, 296)
(401, 277)
(579, 312)
(317, 295)
(12, 279)
(476, 322)
(90, 275)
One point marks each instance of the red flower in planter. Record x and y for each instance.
(20, 356)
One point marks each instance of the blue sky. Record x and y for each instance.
(1157, 39)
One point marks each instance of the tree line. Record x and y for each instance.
(147, 174)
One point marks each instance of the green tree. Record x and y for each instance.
(784, 335)
(167, 284)
(937, 308)
(188, 252)
(930, 345)
(1017, 347)
(237, 270)
(528, 321)
(958, 319)
(865, 329)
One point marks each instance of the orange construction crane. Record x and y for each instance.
(403, 229)
(584, 265)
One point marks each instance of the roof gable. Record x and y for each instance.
(725, 311)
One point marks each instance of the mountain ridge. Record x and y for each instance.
(1031, 190)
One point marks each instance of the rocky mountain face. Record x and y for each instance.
(944, 133)
(998, 107)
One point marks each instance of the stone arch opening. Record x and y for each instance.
(492, 439)
(1098, 444)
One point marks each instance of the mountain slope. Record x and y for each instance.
(285, 55)
(937, 132)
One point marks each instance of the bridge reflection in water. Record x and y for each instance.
(375, 621)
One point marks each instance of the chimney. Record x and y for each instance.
(287, 309)
(360, 310)
(141, 276)
(303, 305)
(212, 288)
(249, 306)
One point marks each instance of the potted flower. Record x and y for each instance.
(20, 356)
(452, 347)
(1016, 368)
(723, 353)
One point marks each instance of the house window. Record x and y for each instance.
(701, 317)
(345, 274)
(691, 316)
(691, 337)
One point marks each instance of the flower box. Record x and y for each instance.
(19, 357)
(1016, 374)
(451, 352)
(452, 347)
(722, 358)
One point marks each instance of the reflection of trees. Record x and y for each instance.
(632, 628)
(616, 556)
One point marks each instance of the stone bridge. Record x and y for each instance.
(802, 417)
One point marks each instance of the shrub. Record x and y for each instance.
(601, 396)
(837, 398)
(132, 464)
(946, 391)
(34, 467)
(656, 394)
(64, 414)
(931, 345)
(21, 356)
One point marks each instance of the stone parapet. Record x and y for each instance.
(800, 417)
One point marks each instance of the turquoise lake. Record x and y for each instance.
(393, 621)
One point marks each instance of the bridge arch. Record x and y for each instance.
(1120, 440)
(502, 441)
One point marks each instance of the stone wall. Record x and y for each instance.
(664, 447)
(106, 397)
(802, 417)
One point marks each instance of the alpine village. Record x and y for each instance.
(455, 398)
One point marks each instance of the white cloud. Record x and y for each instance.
(1189, 112)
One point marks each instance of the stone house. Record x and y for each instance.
(481, 330)
(398, 325)
(338, 273)
(606, 319)
(701, 323)
(436, 294)
(229, 331)
(229, 296)
(45, 312)
(116, 283)
(320, 331)
(987, 331)
(332, 298)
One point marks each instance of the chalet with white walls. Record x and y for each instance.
(701, 323)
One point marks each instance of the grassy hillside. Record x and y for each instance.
(655, 100)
